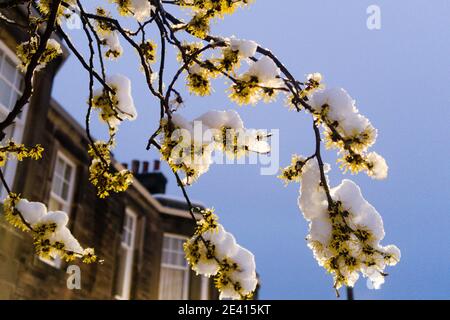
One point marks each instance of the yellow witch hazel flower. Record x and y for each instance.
(11, 214)
(26, 50)
(51, 237)
(198, 80)
(372, 163)
(99, 171)
(148, 49)
(212, 251)
(20, 152)
(45, 5)
(293, 172)
(205, 10)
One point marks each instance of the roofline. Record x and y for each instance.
(118, 166)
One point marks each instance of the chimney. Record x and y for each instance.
(156, 165)
(135, 167)
(155, 181)
(125, 165)
(145, 165)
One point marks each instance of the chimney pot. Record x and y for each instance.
(125, 165)
(145, 167)
(135, 166)
(156, 165)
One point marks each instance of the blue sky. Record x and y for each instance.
(399, 76)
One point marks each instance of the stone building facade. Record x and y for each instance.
(138, 234)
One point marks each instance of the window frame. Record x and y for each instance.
(18, 127)
(67, 204)
(186, 268)
(128, 271)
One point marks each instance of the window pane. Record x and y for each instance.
(68, 173)
(14, 97)
(9, 69)
(5, 93)
(180, 245)
(127, 221)
(19, 82)
(171, 284)
(9, 132)
(165, 243)
(65, 191)
(60, 167)
(56, 186)
(120, 280)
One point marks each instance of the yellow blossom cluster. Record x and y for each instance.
(148, 49)
(44, 7)
(293, 172)
(19, 151)
(206, 10)
(100, 174)
(26, 50)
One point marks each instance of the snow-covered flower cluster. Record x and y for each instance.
(188, 145)
(313, 83)
(51, 236)
(115, 104)
(109, 37)
(261, 81)
(348, 131)
(213, 251)
(140, 9)
(26, 50)
(112, 43)
(344, 235)
(234, 52)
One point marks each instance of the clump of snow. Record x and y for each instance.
(378, 166)
(32, 212)
(245, 48)
(265, 70)
(141, 9)
(35, 214)
(125, 103)
(111, 41)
